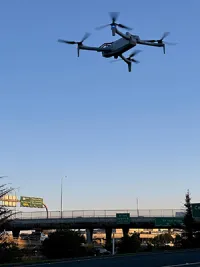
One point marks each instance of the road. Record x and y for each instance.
(165, 259)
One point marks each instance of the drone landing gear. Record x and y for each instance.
(129, 66)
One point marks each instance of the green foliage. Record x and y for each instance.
(188, 219)
(9, 252)
(64, 244)
(129, 244)
(162, 239)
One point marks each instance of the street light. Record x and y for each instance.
(137, 206)
(61, 196)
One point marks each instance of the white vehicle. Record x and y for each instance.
(43, 237)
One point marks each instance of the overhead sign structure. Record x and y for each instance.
(168, 221)
(196, 210)
(31, 202)
(123, 218)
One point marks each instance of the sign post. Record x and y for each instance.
(195, 210)
(113, 243)
(123, 218)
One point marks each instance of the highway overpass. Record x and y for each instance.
(93, 219)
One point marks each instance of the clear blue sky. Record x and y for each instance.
(116, 135)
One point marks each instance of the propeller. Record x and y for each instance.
(132, 55)
(113, 24)
(79, 44)
(160, 41)
(130, 58)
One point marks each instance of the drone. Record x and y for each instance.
(116, 49)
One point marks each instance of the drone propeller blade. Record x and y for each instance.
(66, 42)
(134, 53)
(114, 16)
(74, 42)
(165, 34)
(102, 27)
(170, 43)
(124, 27)
(115, 60)
(79, 44)
(134, 60)
(87, 34)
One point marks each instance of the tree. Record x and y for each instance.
(162, 239)
(9, 252)
(129, 244)
(5, 213)
(64, 244)
(188, 218)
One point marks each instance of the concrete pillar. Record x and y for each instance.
(89, 234)
(125, 231)
(108, 235)
(15, 233)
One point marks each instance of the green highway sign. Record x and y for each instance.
(123, 218)
(31, 202)
(196, 210)
(168, 221)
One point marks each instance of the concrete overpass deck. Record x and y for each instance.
(84, 219)
(99, 213)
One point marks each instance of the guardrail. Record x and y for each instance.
(98, 213)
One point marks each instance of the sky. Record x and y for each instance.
(117, 136)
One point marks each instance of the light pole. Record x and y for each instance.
(61, 196)
(137, 206)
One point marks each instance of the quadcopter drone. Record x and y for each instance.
(117, 48)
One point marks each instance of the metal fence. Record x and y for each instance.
(98, 213)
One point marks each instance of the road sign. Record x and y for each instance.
(123, 218)
(168, 221)
(31, 202)
(196, 210)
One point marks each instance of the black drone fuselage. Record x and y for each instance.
(118, 47)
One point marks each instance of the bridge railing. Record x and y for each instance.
(98, 213)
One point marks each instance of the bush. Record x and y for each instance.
(9, 252)
(64, 244)
(129, 244)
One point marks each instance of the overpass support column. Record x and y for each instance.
(15, 233)
(125, 231)
(108, 235)
(89, 234)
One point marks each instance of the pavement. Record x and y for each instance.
(188, 258)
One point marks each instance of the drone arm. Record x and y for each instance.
(146, 42)
(127, 61)
(122, 35)
(93, 48)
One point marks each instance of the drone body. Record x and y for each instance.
(117, 48)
